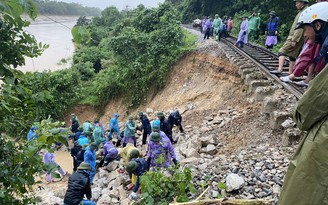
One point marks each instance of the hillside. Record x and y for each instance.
(225, 131)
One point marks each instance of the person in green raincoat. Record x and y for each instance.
(306, 180)
(254, 22)
(216, 26)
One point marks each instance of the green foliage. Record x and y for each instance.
(18, 171)
(53, 92)
(132, 53)
(160, 187)
(17, 103)
(81, 35)
(221, 185)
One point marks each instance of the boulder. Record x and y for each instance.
(191, 160)
(234, 182)
(96, 193)
(112, 166)
(211, 149)
(104, 200)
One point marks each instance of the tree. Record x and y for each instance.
(16, 44)
(21, 163)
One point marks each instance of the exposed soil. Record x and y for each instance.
(208, 81)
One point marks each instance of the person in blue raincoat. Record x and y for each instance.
(114, 127)
(100, 125)
(31, 134)
(87, 128)
(83, 139)
(98, 135)
(129, 132)
(90, 158)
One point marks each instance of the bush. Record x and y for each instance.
(160, 187)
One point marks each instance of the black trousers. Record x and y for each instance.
(144, 137)
(178, 125)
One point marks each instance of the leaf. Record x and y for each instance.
(222, 186)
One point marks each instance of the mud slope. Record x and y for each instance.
(202, 78)
(206, 81)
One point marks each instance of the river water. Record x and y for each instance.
(55, 31)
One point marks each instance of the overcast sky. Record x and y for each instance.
(120, 4)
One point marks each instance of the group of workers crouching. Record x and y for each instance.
(95, 149)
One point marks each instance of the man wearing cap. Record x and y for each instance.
(98, 135)
(75, 123)
(294, 42)
(78, 186)
(74, 151)
(175, 119)
(80, 155)
(158, 147)
(165, 126)
(254, 25)
(138, 167)
(114, 127)
(129, 132)
(129, 152)
(145, 127)
(271, 30)
(90, 158)
(110, 153)
(216, 26)
(156, 128)
(87, 128)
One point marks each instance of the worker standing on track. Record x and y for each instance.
(243, 33)
(294, 42)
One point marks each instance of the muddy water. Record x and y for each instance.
(55, 31)
(65, 160)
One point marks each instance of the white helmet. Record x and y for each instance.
(318, 11)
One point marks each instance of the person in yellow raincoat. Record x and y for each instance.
(127, 153)
(306, 180)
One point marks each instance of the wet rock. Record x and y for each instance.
(290, 136)
(104, 200)
(211, 149)
(234, 182)
(215, 194)
(60, 193)
(96, 193)
(191, 160)
(112, 165)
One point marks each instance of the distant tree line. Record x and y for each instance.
(285, 9)
(62, 8)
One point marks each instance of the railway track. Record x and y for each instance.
(265, 59)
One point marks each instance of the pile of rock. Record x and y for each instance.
(253, 172)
